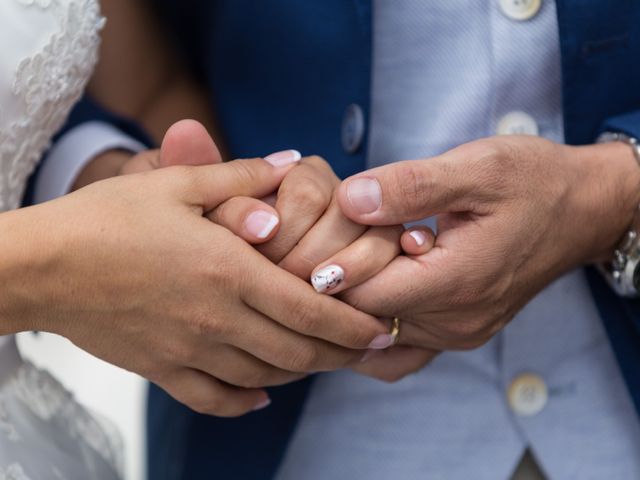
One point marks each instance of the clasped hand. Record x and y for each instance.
(229, 319)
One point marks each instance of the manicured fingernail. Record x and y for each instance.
(364, 194)
(261, 223)
(367, 356)
(263, 404)
(382, 341)
(419, 237)
(327, 278)
(283, 158)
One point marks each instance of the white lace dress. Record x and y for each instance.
(48, 49)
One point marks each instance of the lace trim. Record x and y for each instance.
(13, 472)
(49, 84)
(49, 400)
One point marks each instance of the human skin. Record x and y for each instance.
(514, 214)
(111, 268)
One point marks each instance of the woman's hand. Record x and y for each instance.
(129, 270)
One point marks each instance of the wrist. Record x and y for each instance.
(21, 260)
(106, 165)
(609, 195)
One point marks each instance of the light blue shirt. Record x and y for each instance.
(446, 72)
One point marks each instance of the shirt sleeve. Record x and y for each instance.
(628, 123)
(75, 149)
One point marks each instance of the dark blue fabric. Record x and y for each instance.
(182, 444)
(629, 124)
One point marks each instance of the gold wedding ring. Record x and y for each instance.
(395, 330)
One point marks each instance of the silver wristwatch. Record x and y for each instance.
(623, 271)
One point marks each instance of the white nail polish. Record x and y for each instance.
(419, 237)
(284, 158)
(268, 228)
(327, 278)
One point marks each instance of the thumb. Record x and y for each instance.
(187, 142)
(404, 192)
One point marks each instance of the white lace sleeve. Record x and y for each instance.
(48, 49)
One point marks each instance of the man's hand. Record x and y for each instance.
(514, 213)
(185, 143)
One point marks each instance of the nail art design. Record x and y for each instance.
(327, 278)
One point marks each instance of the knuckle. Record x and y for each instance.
(316, 161)
(413, 185)
(245, 172)
(322, 166)
(304, 359)
(205, 325)
(303, 317)
(309, 194)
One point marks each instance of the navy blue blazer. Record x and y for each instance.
(282, 73)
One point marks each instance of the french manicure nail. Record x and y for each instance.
(364, 194)
(283, 158)
(263, 404)
(261, 223)
(327, 278)
(382, 341)
(419, 237)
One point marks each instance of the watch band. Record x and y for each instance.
(623, 271)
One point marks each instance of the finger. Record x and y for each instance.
(293, 303)
(417, 240)
(286, 349)
(405, 285)
(332, 233)
(303, 197)
(209, 396)
(187, 142)
(239, 368)
(210, 185)
(360, 261)
(408, 191)
(395, 363)
(142, 162)
(252, 220)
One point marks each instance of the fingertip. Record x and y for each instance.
(360, 197)
(283, 158)
(263, 403)
(327, 279)
(261, 225)
(417, 240)
(187, 142)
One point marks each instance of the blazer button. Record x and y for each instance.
(520, 10)
(527, 394)
(352, 128)
(517, 123)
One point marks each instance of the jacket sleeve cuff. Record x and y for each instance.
(72, 151)
(628, 123)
